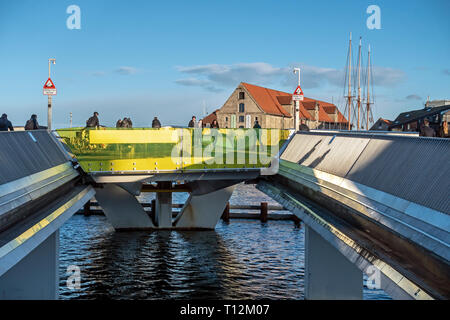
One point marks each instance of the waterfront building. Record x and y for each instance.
(275, 109)
(381, 125)
(436, 112)
(206, 121)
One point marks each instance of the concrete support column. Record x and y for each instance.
(328, 274)
(36, 276)
(121, 208)
(163, 211)
(204, 211)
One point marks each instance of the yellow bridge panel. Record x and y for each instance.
(163, 135)
(171, 149)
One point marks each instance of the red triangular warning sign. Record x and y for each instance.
(49, 84)
(49, 88)
(298, 91)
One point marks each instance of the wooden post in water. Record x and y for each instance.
(153, 211)
(296, 220)
(263, 216)
(226, 213)
(87, 208)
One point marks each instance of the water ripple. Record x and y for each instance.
(241, 260)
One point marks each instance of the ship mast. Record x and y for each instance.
(368, 89)
(359, 84)
(349, 96)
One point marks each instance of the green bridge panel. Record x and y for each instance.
(171, 149)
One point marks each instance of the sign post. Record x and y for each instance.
(297, 96)
(49, 90)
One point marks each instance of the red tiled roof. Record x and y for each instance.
(304, 113)
(284, 99)
(210, 117)
(331, 109)
(341, 118)
(271, 102)
(267, 99)
(323, 116)
(311, 105)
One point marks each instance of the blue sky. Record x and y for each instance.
(171, 58)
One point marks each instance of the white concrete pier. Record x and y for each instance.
(121, 208)
(204, 211)
(163, 212)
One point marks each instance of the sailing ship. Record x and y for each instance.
(357, 103)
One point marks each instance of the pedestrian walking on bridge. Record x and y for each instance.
(126, 123)
(192, 122)
(93, 122)
(32, 123)
(156, 123)
(215, 124)
(5, 124)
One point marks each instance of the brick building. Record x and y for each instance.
(275, 109)
(207, 121)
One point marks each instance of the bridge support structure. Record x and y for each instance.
(121, 207)
(201, 211)
(204, 211)
(360, 193)
(163, 212)
(328, 273)
(36, 276)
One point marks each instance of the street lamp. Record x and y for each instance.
(297, 104)
(49, 110)
(50, 61)
(297, 70)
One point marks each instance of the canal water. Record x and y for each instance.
(242, 259)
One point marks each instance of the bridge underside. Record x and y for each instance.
(202, 210)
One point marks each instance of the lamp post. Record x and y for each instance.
(297, 104)
(49, 110)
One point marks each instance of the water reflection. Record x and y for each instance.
(244, 259)
(232, 262)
